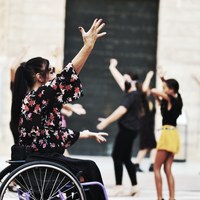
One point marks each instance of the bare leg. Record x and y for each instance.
(152, 155)
(140, 155)
(170, 178)
(161, 156)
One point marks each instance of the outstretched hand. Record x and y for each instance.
(90, 37)
(98, 136)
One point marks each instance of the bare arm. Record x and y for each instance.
(161, 73)
(116, 74)
(89, 39)
(147, 81)
(118, 113)
(98, 136)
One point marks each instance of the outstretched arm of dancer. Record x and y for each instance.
(69, 108)
(118, 113)
(98, 136)
(89, 39)
(147, 81)
(116, 74)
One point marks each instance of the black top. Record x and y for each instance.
(170, 116)
(132, 102)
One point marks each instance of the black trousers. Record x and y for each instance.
(122, 153)
(88, 168)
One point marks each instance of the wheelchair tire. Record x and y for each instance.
(42, 180)
(5, 172)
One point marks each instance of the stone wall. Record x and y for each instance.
(178, 52)
(36, 24)
(39, 24)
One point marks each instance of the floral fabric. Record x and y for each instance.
(40, 123)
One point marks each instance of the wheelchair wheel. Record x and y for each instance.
(42, 180)
(5, 172)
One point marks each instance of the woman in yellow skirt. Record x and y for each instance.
(169, 142)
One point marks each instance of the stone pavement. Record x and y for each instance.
(187, 179)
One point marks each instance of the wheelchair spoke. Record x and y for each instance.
(42, 180)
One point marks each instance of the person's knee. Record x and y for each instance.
(167, 170)
(156, 167)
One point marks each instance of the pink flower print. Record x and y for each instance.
(24, 134)
(56, 135)
(37, 108)
(68, 87)
(52, 116)
(44, 102)
(37, 132)
(21, 121)
(34, 147)
(60, 98)
(44, 146)
(26, 108)
(48, 123)
(55, 87)
(41, 142)
(55, 110)
(77, 90)
(76, 95)
(41, 93)
(29, 116)
(52, 145)
(61, 87)
(74, 77)
(69, 99)
(31, 103)
(42, 132)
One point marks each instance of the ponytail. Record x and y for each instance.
(180, 102)
(18, 93)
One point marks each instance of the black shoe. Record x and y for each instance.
(151, 169)
(137, 168)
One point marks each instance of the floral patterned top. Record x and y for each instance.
(40, 124)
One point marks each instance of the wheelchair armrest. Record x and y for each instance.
(16, 161)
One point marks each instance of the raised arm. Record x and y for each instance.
(147, 81)
(161, 73)
(89, 39)
(118, 113)
(116, 74)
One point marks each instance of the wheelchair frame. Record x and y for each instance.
(34, 180)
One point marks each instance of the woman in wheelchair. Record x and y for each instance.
(36, 109)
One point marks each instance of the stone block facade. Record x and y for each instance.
(39, 24)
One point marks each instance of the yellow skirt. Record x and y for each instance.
(169, 139)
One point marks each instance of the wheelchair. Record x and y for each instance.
(43, 180)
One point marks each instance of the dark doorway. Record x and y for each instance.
(131, 27)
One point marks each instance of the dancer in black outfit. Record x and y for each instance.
(127, 115)
(147, 136)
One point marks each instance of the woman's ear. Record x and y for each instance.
(39, 78)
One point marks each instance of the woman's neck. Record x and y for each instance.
(36, 86)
